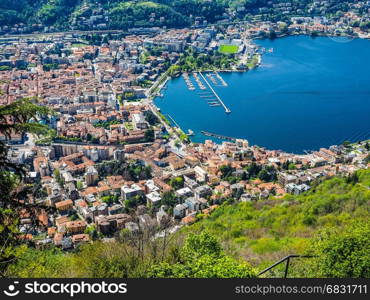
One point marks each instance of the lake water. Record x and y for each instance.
(309, 93)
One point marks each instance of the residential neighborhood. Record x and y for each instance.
(112, 161)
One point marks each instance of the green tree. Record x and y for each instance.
(343, 254)
(226, 171)
(19, 117)
(149, 135)
(200, 245)
(168, 198)
(177, 182)
(202, 257)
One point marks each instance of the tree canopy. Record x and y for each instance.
(19, 117)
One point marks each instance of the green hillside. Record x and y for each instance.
(123, 14)
(118, 14)
(266, 231)
(330, 222)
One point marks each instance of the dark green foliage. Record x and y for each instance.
(56, 12)
(192, 61)
(130, 14)
(226, 171)
(210, 10)
(177, 182)
(253, 169)
(49, 67)
(168, 198)
(18, 117)
(134, 171)
(267, 173)
(134, 202)
(149, 135)
(106, 124)
(151, 118)
(175, 13)
(110, 199)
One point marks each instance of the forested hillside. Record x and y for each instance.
(119, 14)
(330, 222)
(123, 14)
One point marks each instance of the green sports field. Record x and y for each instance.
(228, 49)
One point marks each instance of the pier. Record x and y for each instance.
(218, 136)
(188, 82)
(227, 110)
(199, 82)
(223, 82)
(214, 81)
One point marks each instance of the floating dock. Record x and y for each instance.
(188, 82)
(199, 82)
(227, 110)
(223, 82)
(212, 78)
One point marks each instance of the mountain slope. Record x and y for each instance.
(266, 231)
(123, 14)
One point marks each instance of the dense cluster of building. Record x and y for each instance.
(113, 163)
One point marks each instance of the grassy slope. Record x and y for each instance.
(266, 231)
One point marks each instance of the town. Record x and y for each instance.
(113, 161)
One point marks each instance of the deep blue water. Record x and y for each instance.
(309, 93)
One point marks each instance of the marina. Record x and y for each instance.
(188, 82)
(199, 82)
(211, 76)
(223, 82)
(285, 103)
(227, 110)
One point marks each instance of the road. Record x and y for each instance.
(45, 34)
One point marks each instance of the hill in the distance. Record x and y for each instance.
(124, 14)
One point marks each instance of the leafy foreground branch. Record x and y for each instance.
(201, 256)
(17, 118)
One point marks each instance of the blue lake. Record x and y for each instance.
(309, 93)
